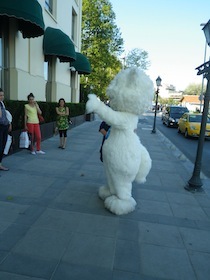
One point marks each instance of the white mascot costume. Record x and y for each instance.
(125, 159)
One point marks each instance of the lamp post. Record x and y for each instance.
(158, 83)
(201, 95)
(195, 182)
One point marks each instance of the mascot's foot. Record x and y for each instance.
(120, 206)
(104, 192)
(141, 180)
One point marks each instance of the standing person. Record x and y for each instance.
(104, 128)
(5, 127)
(62, 121)
(32, 124)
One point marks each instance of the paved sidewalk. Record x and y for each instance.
(53, 226)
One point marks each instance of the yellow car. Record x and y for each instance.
(190, 124)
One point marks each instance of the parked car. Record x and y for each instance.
(172, 114)
(190, 125)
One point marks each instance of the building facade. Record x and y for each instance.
(192, 102)
(40, 42)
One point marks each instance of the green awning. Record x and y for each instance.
(82, 64)
(57, 43)
(27, 12)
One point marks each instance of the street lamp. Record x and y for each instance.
(201, 95)
(195, 182)
(158, 83)
(206, 30)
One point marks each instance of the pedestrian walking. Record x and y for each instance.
(104, 128)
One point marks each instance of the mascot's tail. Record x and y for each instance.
(145, 166)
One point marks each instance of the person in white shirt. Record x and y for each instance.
(5, 127)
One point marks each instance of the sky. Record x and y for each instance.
(170, 31)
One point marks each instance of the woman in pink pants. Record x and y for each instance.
(32, 124)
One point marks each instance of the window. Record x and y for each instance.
(179, 110)
(74, 26)
(49, 5)
(4, 59)
(46, 71)
(49, 76)
(1, 62)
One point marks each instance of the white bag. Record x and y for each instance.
(24, 140)
(9, 116)
(8, 144)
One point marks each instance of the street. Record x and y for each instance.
(187, 146)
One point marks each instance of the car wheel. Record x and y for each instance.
(178, 130)
(186, 134)
(168, 124)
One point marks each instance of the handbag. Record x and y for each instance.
(24, 140)
(41, 119)
(8, 144)
(9, 116)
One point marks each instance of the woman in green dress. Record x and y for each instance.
(62, 122)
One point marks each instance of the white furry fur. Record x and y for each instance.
(125, 159)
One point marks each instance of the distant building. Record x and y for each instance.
(192, 102)
(40, 44)
(169, 92)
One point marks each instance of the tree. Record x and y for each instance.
(168, 101)
(102, 44)
(194, 89)
(137, 57)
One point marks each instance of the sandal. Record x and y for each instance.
(2, 168)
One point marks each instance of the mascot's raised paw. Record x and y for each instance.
(92, 103)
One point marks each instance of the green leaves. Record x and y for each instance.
(102, 44)
(194, 89)
(137, 57)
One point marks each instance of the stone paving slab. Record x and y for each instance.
(54, 227)
(165, 262)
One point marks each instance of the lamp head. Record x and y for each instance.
(206, 30)
(72, 69)
(158, 81)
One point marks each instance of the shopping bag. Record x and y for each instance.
(24, 140)
(8, 144)
(9, 116)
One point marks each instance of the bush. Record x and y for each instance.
(16, 108)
